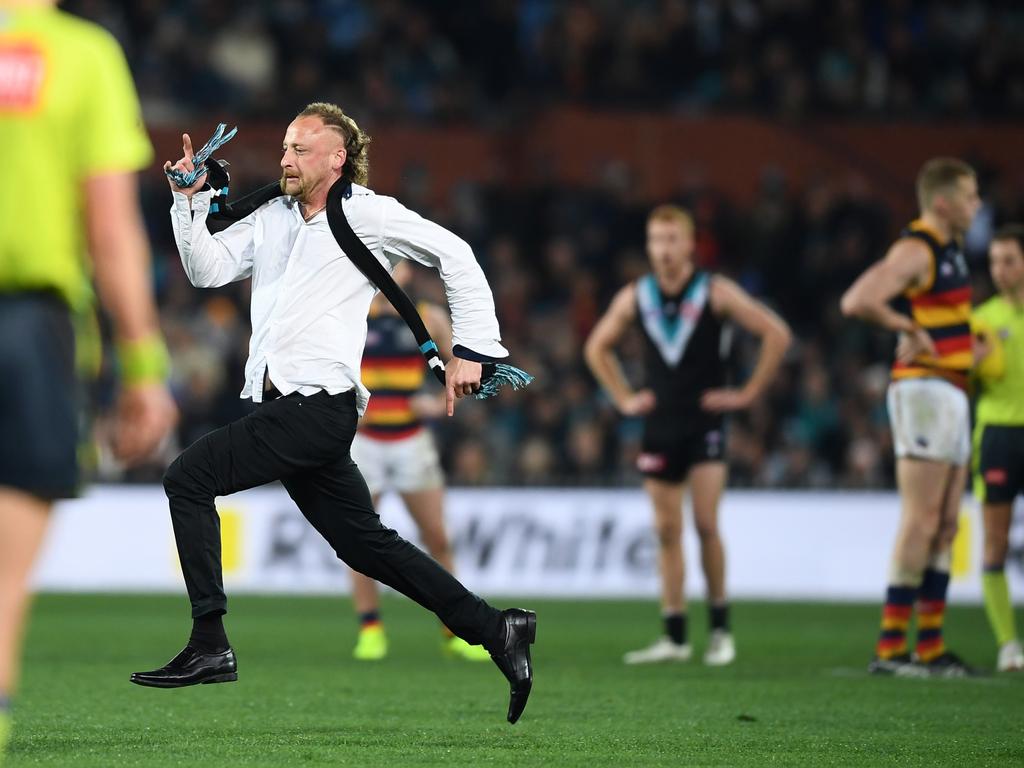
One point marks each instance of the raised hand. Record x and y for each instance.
(185, 165)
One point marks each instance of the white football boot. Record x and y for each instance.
(1011, 657)
(721, 649)
(663, 649)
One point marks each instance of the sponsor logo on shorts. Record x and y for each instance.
(713, 442)
(996, 476)
(651, 462)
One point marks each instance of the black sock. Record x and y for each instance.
(208, 634)
(675, 627)
(495, 639)
(368, 618)
(719, 616)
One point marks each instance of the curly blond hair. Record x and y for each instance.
(357, 142)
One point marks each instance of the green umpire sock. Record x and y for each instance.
(997, 604)
(5, 725)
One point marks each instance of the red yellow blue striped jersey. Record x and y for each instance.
(942, 306)
(393, 370)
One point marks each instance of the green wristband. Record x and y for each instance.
(144, 361)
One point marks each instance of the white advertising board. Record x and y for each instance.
(535, 542)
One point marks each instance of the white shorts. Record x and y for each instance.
(409, 464)
(930, 419)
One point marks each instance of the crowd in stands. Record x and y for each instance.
(487, 61)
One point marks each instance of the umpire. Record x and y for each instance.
(309, 309)
(73, 139)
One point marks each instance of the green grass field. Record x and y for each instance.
(798, 694)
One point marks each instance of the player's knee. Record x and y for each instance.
(996, 547)
(668, 534)
(947, 532)
(436, 542)
(926, 525)
(706, 532)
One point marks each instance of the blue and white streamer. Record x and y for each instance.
(218, 140)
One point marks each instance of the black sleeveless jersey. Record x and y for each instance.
(685, 353)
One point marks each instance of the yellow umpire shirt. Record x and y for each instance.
(68, 111)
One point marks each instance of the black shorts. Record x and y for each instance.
(38, 412)
(1001, 462)
(671, 457)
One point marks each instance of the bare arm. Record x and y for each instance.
(906, 265)
(121, 262)
(599, 352)
(731, 301)
(120, 254)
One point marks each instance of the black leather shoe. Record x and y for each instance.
(191, 667)
(513, 657)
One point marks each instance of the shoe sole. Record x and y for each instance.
(666, 660)
(905, 673)
(227, 677)
(719, 662)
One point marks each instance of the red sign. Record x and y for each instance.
(22, 68)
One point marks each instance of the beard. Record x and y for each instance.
(300, 195)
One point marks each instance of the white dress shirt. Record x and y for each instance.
(309, 301)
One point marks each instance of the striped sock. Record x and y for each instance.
(899, 603)
(931, 609)
(997, 604)
(369, 619)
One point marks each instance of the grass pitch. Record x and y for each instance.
(797, 695)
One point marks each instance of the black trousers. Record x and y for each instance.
(304, 442)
